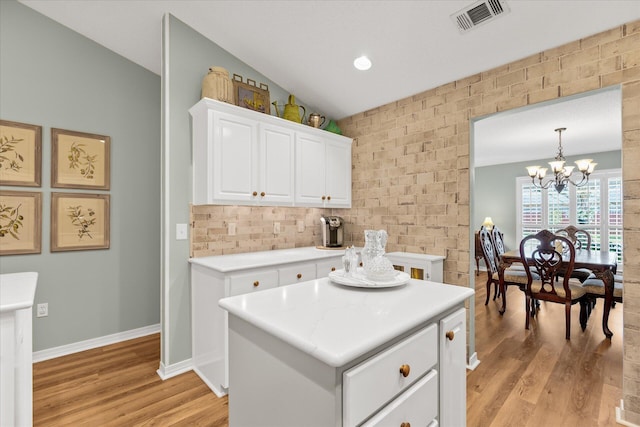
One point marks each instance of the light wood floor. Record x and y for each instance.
(525, 378)
(537, 378)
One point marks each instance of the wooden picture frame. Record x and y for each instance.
(20, 154)
(248, 95)
(79, 221)
(20, 222)
(80, 160)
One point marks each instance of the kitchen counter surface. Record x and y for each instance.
(336, 323)
(17, 290)
(235, 262)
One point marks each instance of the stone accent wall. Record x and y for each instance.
(411, 160)
(411, 170)
(254, 229)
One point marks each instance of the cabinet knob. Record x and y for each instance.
(328, 197)
(255, 193)
(405, 425)
(299, 275)
(333, 269)
(324, 197)
(256, 283)
(360, 263)
(262, 194)
(450, 335)
(404, 370)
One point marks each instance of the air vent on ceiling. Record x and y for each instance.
(479, 13)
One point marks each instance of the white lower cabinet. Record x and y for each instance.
(369, 385)
(209, 323)
(453, 363)
(275, 384)
(418, 406)
(432, 392)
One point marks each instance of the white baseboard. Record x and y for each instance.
(473, 361)
(620, 416)
(168, 371)
(51, 353)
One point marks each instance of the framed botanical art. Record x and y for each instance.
(20, 222)
(20, 154)
(79, 221)
(80, 160)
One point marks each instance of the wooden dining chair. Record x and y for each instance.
(497, 237)
(511, 277)
(581, 239)
(539, 251)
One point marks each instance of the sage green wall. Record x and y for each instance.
(54, 77)
(187, 57)
(495, 190)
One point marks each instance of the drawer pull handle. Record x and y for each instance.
(333, 269)
(256, 283)
(450, 335)
(328, 197)
(404, 370)
(405, 425)
(262, 194)
(255, 193)
(324, 197)
(299, 276)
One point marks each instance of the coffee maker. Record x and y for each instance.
(332, 231)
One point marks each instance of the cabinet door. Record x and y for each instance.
(310, 171)
(235, 162)
(338, 174)
(453, 379)
(276, 165)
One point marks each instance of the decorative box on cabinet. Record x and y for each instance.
(419, 266)
(244, 157)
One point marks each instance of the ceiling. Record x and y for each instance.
(308, 46)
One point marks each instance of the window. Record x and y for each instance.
(595, 207)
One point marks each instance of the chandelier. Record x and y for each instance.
(562, 173)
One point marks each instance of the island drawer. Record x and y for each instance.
(418, 406)
(243, 283)
(374, 382)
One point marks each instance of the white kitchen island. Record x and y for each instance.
(322, 354)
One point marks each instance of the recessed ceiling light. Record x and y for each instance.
(362, 63)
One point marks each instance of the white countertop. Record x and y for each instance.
(17, 291)
(336, 323)
(234, 262)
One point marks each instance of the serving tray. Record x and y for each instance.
(359, 280)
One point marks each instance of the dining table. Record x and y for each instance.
(603, 264)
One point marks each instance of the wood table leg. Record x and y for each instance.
(501, 268)
(607, 277)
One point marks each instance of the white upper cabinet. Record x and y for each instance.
(323, 171)
(243, 157)
(276, 145)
